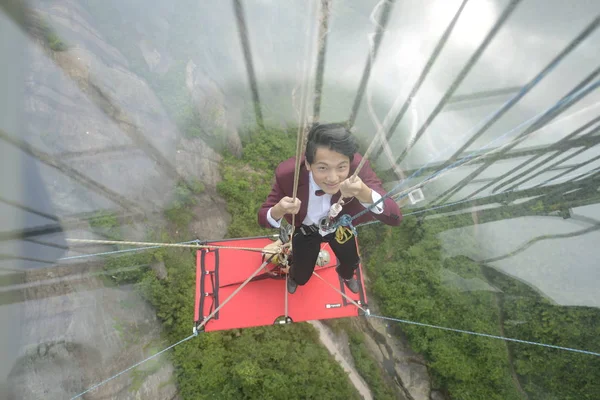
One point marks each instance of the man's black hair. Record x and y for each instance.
(335, 137)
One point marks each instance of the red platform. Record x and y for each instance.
(219, 272)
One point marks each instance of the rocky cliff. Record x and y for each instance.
(102, 141)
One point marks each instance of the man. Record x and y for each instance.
(325, 175)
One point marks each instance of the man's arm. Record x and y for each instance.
(370, 199)
(271, 201)
(355, 187)
(387, 211)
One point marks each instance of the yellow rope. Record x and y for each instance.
(195, 246)
(302, 126)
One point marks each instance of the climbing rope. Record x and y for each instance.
(106, 253)
(565, 178)
(404, 321)
(182, 245)
(551, 346)
(301, 136)
(366, 311)
(287, 277)
(196, 330)
(302, 124)
(132, 367)
(471, 158)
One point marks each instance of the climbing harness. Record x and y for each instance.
(285, 233)
(343, 234)
(279, 263)
(346, 221)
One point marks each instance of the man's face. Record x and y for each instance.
(329, 169)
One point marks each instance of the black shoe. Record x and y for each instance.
(352, 284)
(291, 285)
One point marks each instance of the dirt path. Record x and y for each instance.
(326, 337)
(499, 303)
(515, 378)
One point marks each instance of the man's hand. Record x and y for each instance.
(287, 205)
(355, 187)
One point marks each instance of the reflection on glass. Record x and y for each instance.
(162, 122)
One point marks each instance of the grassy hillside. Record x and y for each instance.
(413, 280)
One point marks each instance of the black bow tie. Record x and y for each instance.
(319, 192)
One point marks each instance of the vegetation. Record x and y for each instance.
(277, 362)
(247, 181)
(367, 367)
(130, 267)
(364, 362)
(55, 42)
(106, 224)
(548, 373)
(410, 281)
(50, 36)
(408, 262)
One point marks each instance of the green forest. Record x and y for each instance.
(406, 269)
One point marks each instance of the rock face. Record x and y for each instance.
(341, 352)
(406, 367)
(160, 270)
(91, 332)
(195, 160)
(437, 396)
(85, 108)
(88, 111)
(157, 62)
(105, 143)
(219, 118)
(212, 219)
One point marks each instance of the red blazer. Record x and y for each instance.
(284, 184)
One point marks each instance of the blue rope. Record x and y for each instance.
(464, 160)
(346, 220)
(459, 202)
(453, 204)
(437, 207)
(133, 366)
(461, 161)
(551, 346)
(121, 251)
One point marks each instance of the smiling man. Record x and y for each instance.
(325, 175)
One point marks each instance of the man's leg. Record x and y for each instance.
(347, 253)
(305, 253)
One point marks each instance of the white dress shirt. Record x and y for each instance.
(318, 206)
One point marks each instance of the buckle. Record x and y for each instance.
(284, 233)
(308, 229)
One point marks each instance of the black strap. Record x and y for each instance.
(308, 229)
(214, 283)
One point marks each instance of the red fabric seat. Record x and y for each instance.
(219, 272)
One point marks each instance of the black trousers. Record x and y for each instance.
(306, 251)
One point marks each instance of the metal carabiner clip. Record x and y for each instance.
(326, 226)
